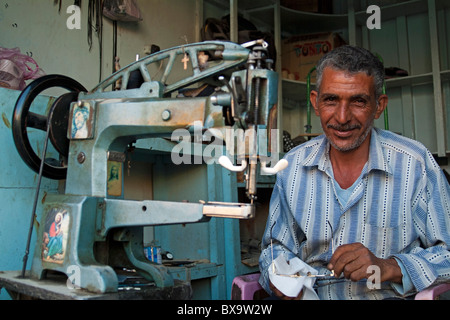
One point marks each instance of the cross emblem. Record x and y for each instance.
(185, 60)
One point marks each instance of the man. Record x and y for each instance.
(380, 198)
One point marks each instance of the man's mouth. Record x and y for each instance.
(343, 131)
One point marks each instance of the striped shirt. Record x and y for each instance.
(399, 207)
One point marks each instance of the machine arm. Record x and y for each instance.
(229, 55)
(241, 72)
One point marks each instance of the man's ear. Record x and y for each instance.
(313, 95)
(381, 106)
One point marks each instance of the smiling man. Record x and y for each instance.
(378, 198)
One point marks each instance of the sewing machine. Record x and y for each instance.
(90, 228)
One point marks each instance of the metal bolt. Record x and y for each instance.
(81, 157)
(166, 115)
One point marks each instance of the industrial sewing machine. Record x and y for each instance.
(90, 228)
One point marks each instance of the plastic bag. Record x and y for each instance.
(16, 68)
(122, 10)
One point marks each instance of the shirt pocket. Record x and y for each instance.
(385, 241)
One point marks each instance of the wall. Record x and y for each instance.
(40, 28)
(18, 186)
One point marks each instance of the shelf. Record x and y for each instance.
(294, 90)
(409, 80)
(296, 22)
(300, 22)
(254, 6)
(416, 80)
(445, 75)
(393, 11)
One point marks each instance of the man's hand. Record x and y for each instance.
(281, 296)
(354, 259)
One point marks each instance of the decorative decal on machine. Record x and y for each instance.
(114, 182)
(54, 239)
(81, 121)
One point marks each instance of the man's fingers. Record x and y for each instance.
(352, 260)
(355, 270)
(344, 260)
(343, 255)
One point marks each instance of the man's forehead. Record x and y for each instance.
(340, 79)
(331, 71)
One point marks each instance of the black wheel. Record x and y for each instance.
(57, 119)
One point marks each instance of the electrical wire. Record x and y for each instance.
(95, 23)
(36, 196)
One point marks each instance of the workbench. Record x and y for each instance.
(55, 287)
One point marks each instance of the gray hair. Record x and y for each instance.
(353, 60)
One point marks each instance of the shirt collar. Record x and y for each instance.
(377, 158)
(319, 155)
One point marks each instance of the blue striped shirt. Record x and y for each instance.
(399, 207)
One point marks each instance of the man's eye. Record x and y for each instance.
(359, 102)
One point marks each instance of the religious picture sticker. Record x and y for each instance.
(54, 239)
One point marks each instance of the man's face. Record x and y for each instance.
(347, 107)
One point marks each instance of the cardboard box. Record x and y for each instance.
(301, 53)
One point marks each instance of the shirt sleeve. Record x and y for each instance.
(406, 286)
(281, 236)
(431, 261)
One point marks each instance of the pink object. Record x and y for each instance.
(16, 68)
(433, 292)
(244, 287)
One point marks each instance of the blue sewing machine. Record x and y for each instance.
(90, 229)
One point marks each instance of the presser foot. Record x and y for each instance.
(228, 210)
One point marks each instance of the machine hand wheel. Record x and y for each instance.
(56, 120)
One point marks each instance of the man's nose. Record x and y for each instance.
(343, 113)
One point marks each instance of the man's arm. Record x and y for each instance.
(278, 236)
(415, 269)
(431, 261)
